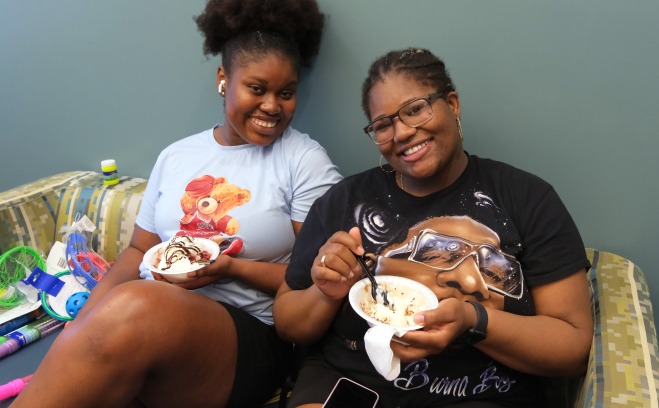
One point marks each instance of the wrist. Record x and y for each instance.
(324, 297)
(228, 267)
(478, 330)
(225, 268)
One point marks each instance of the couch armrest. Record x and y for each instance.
(28, 212)
(32, 214)
(623, 368)
(113, 209)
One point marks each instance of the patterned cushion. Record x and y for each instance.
(27, 212)
(623, 369)
(32, 214)
(113, 209)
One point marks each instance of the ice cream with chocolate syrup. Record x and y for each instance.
(182, 253)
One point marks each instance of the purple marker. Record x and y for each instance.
(28, 334)
(8, 347)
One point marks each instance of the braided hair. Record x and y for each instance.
(416, 63)
(243, 31)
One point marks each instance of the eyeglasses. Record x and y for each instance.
(500, 272)
(414, 114)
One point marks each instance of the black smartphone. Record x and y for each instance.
(347, 393)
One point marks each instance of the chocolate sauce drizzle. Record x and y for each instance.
(181, 247)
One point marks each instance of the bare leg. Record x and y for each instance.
(145, 340)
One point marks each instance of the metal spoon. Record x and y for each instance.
(374, 284)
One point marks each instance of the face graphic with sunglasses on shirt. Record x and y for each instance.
(455, 257)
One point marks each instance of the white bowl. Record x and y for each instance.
(400, 290)
(178, 275)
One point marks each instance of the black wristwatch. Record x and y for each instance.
(475, 334)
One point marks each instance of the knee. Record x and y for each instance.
(132, 302)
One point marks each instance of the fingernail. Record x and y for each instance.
(351, 275)
(343, 279)
(419, 318)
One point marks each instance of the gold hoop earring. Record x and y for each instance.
(457, 120)
(382, 166)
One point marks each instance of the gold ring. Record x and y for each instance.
(322, 261)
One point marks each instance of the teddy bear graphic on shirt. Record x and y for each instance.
(206, 204)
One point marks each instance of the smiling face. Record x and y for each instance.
(430, 157)
(260, 100)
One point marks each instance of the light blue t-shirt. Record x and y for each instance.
(248, 193)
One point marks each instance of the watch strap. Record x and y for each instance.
(477, 333)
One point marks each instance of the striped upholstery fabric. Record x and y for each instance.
(33, 214)
(27, 212)
(623, 370)
(113, 209)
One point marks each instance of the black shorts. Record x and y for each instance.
(263, 360)
(314, 383)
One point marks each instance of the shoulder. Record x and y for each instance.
(303, 154)
(500, 168)
(506, 175)
(190, 146)
(357, 185)
(296, 142)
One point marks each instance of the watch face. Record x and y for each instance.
(474, 336)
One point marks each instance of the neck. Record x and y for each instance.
(221, 135)
(401, 184)
(218, 135)
(423, 186)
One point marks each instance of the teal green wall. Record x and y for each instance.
(565, 89)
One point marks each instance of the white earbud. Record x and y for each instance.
(220, 87)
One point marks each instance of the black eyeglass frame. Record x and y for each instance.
(429, 98)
